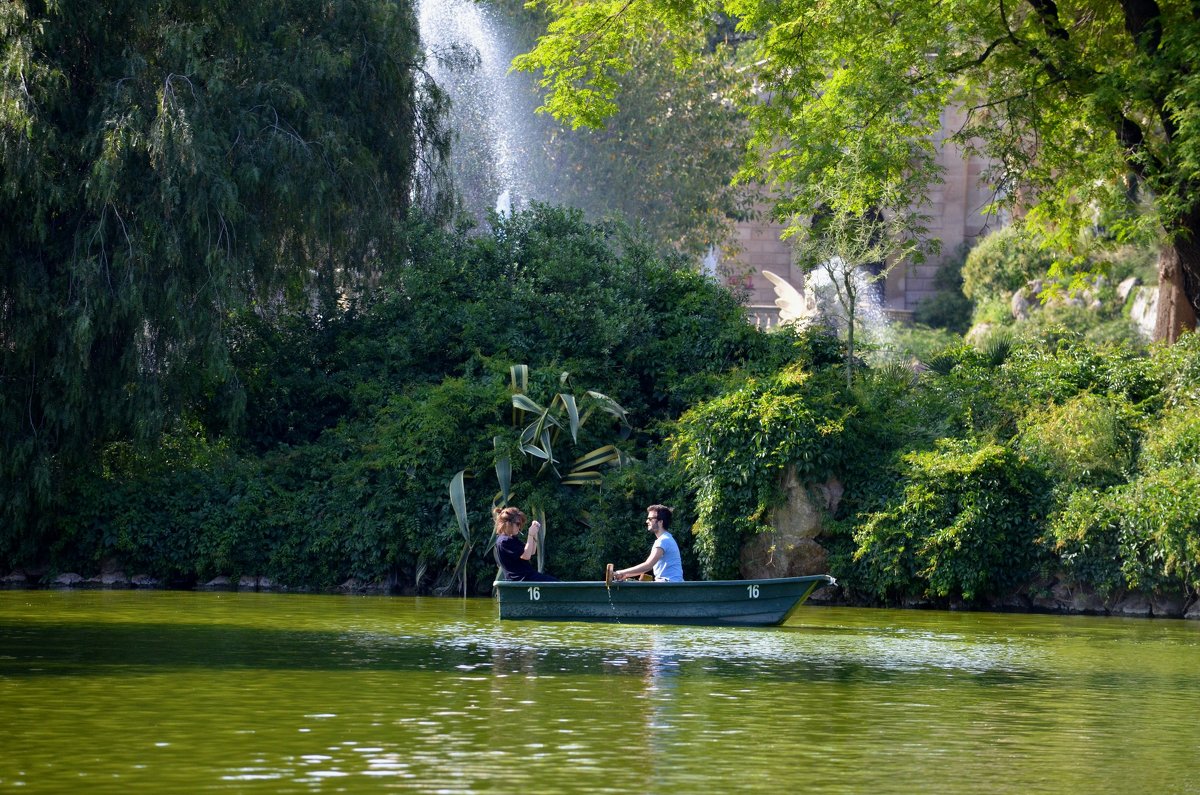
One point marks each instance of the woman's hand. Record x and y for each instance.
(535, 529)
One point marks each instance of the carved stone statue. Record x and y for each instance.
(794, 306)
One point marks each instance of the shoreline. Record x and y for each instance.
(1055, 598)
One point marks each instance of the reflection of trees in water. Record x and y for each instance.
(521, 661)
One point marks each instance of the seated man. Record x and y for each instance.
(664, 558)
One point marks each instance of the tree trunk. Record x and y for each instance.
(1178, 284)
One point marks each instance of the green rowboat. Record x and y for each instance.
(760, 603)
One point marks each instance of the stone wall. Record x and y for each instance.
(956, 208)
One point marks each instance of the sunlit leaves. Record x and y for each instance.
(1067, 101)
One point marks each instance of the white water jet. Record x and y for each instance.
(708, 266)
(469, 55)
(504, 204)
(871, 323)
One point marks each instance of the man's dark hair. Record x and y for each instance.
(662, 513)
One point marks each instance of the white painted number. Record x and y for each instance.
(534, 594)
(752, 590)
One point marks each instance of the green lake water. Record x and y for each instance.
(133, 691)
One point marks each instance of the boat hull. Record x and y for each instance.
(720, 602)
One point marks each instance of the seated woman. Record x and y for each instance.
(511, 554)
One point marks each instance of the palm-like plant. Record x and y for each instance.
(541, 429)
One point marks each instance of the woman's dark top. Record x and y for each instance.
(508, 554)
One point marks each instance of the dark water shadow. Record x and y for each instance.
(48, 649)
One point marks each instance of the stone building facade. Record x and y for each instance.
(956, 209)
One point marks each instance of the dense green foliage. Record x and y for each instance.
(992, 468)
(964, 527)
(1143, 531)
(984, 474)
(948, 308)
(1002, 263)
(356, 422)
(164, 165)
(737, 448)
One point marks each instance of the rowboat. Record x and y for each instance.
(761, 603)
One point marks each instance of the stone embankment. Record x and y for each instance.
(111, 576)
(107, 578)
(793, 552)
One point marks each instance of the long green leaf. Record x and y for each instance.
(458, 501)
(597, 457)
(540, 515)
(535, 451)
(533, 431)
(610, 406)
(537, 430)
(583, 479)
(503, 471)
(572, 413)
(549, 452)
(460, 569)
(519, 373)
(524, 403)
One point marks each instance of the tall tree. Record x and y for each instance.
(1074, 100)
(164, 162)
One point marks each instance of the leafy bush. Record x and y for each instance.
(990, 312)
(1085, 537)
(965, 525)
(1160, 540)
(736, 449)
(945, 309)
(1174, 441)
(1002, 263)
(1059, 321)
(356, 422)
(1055, 372)
(1176, 371)
(948, 308)
(922, 342)
(968, 391)
(1142, 535)
(1087, 440)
